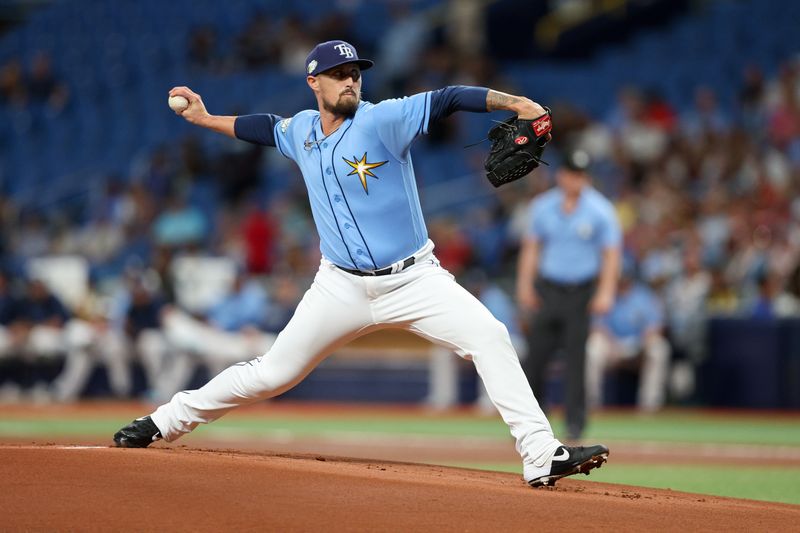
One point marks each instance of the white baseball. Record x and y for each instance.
(178, 103)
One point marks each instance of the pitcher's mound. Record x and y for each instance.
(62, 488)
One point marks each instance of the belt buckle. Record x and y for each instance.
(407, 262)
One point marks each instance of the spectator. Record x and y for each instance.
(31, 239)
(284, 297)
(163, 366)
(706, 121)
(260, 231)
(12, 84)
(661, 257)
(180, 226)
(163, 285)
(722, 297)
(202, 48)
(487, 234)
(642, 140)
(784, 119)
(714, 226)
(256, 46)
(658, 112)
(9, 362)
(41, 82)
(787, 304)
(452, 246)
(237, 172)
(156, 173)
(761, 307)
(400, 48)
(685, 297)
(38, 334)
(632, 330)
(293, 43)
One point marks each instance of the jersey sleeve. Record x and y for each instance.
(256, 129)
(267, 130)
(448, 100)
(399, 121)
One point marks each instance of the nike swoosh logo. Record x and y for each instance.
(563, 456)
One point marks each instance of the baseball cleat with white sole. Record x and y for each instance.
(570, 460)
(140, 433)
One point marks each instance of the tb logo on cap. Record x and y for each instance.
(345, 50)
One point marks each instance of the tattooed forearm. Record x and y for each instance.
(524, 107)
(496, 101)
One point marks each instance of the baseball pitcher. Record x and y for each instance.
(378, 268)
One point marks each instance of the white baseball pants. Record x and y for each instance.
(339, 307)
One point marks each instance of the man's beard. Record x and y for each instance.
(343, 107)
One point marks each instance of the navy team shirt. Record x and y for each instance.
(360, 178)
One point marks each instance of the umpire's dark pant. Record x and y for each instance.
(561, 321)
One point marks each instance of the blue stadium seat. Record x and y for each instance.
(119, 60)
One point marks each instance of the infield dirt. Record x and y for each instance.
(59, 488)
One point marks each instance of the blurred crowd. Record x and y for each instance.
(35, 83)
(264, 42)
(708, 197)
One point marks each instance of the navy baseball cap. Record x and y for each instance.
(577, 160)
(331, 54)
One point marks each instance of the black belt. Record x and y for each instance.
(382, 272)
(568, 287)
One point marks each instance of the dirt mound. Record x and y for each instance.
(54, 487)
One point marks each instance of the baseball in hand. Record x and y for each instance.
(178, 103)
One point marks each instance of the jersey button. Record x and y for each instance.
(347, 226)
(328, 170)
(360, 251)
(324, 145)
(337, 198)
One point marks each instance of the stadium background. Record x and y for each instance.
(691, 110)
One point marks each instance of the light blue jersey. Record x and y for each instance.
(635, 312)
(571, 244)
(360, 179)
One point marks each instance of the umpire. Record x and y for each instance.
(568, 269)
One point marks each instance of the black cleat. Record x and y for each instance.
(138, 434)
(569, 460)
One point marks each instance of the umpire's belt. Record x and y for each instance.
(394, 268)
(568, 287)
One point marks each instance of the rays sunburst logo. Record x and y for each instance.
(363, 169)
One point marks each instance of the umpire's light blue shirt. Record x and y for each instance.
(571, 244)
(360, 178)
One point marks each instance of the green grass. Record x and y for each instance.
(689, 427)
(697, 427)
(671, 427)
(771, 483)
